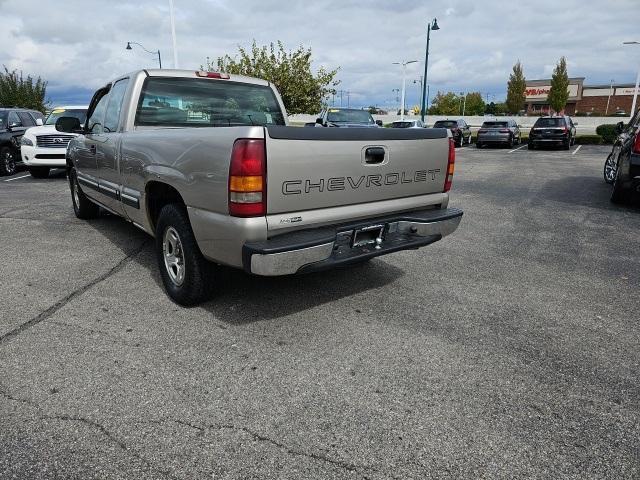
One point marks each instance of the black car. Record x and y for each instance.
(626, 157)
(13, 123)
(460, 131)
(558, 131)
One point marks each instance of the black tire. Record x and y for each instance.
(511, 142)
(84, 208)
(566, 145)
(8, 160)
(619, 194)
(39, 172)
(479, 145)
(187, 276)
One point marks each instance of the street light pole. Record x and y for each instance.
(433, 25)
(606, 110)
(173, 36)
(635, 91)
(404, 84)
(128, 47)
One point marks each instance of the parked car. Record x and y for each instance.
(626, 177)
(407, 124)
(345, 118)
(13, 123)
(460, 131)
(500, 132)
(43, 147)
(558, 131)
(215, 174)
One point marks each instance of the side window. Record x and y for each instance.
(14, 120)
(112, 114)
(95, 121)
(26, 119)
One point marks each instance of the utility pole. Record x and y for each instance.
(606, 110)
(433, 25)
(348, 98)
(173, 35)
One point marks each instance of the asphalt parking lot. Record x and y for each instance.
(510, 349)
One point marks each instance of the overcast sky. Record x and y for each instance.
(79, 45)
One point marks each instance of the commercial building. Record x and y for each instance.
(587, 99)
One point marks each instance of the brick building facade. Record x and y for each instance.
(589, 99)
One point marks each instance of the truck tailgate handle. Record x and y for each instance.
(373, 155)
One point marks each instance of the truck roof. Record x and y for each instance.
(168, 72)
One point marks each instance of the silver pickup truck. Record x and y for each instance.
(206, 163)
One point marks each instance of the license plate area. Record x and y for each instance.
(371, 235)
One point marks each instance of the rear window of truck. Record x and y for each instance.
(196, 102)
(445, 124)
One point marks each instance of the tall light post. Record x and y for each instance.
(404, 83)
(173, 35)
(635, 92)
(433, 25)
(128, 47)
(606, 110)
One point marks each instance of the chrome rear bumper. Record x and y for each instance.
(327, 247)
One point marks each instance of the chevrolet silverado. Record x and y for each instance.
(206, 163)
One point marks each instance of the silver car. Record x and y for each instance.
(407, 124)
(499, 132)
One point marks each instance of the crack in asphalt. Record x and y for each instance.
(102, 429)
(262, 438)
(68, 298)
(8, 396)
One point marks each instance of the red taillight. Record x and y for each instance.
(504, 130)
(247, 178)
(636, 143)
(565, 130)
(482, 130)
(448, 179)
(203, 74)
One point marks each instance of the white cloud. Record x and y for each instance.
(78, 45)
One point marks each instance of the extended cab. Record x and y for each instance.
(206, 163)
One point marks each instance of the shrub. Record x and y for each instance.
(608, 132)
(589, 140)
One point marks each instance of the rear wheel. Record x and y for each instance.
(187, 276)
(39, 172)
(566, 144)
(619, 194)
(511, 141)
(8, 158)
(610, 169)
(479, 145)
(84, 208)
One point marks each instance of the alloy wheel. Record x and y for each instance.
(173, 254)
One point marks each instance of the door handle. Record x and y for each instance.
(373, 155)
(92, 149)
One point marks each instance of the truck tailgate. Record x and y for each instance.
(312, 168)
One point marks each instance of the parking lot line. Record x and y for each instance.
(576, 150)
(516, 149)
(16, 178)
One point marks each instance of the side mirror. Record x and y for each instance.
(39, 122)
(319, 121)
(12, 126)
(575, 123)
(619, 127)
(379, 123)
(68, 125)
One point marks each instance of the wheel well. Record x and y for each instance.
(158, 195)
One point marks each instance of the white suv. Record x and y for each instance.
(43, 147)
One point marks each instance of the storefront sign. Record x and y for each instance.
(541, 92)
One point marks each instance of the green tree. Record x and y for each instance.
(445, 104)
(289, 71)
(559, 92)
(474, 104)
(16, 90)
(516, 86)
